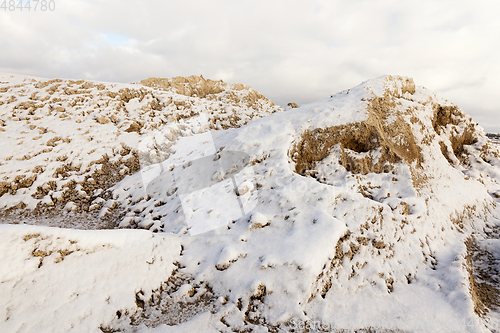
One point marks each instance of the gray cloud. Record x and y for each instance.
(288, 50)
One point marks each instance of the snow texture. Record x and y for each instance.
(357, 211)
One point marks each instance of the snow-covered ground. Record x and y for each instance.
(375, 208)
(65, 142)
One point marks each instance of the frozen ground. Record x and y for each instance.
(373, 209)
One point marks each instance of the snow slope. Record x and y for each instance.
(374, 208)
(65, 142)
(71, 280)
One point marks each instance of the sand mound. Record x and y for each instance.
(69, 142)
(376, 204)
(388, 136)
(400, 128)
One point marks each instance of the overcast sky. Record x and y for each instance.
(291, 51)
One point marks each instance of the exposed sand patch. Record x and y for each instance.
(483, 278)
(394, 141)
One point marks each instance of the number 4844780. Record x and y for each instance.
(28, 5)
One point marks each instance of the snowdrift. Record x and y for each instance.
(373, 209)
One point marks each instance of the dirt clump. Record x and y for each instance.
(134, 127)
(462, 131)
(164, 308)
(482, 279)
(358, 142)
(21, 181)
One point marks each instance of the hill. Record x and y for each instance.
(374, 209)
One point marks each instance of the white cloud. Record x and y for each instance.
(288, 50)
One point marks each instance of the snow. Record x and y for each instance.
(100, 272)
(277, 249)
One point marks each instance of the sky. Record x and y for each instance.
(290, 51)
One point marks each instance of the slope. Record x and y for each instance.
(372, 209)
